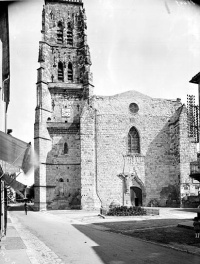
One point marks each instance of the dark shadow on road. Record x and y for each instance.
(131, 250)
(106, 250)
(19, 207)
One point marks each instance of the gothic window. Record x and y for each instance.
(65, 148)
(60, 72)
(70, 72)
(133, 141)
(60, 33)
(69, 34)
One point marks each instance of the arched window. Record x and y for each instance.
(133, 141)
(60, 33)
(61, 180)
(70, 72)
(69, 34)
(65, 148)
(60, 72)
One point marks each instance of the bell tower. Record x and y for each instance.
(64, 86)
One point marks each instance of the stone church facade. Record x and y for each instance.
(126, 149)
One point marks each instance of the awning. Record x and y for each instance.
(17, 186)
(15, 151)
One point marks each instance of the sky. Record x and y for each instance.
(151, 46)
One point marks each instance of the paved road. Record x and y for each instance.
(52, 238)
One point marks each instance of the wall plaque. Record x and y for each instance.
(66, 112)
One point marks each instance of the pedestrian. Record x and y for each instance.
(25, 208)
(196, 225)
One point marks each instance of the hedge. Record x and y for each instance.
(126, 211)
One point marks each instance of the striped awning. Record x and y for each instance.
(15, 152)
(13, 183)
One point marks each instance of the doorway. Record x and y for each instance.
(136, 196)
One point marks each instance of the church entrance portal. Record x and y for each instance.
(136, 196)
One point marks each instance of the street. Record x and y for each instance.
(55, 238)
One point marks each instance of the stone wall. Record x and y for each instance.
(113, 122)
(89, 182)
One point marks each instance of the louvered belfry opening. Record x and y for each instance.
(133, 141)
(60, 72)
(60, 33)
(70, 72)
(69, 34)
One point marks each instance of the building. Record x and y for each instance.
(14, 153)
(4, 101)
(94, 151)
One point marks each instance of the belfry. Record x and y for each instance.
(63, 87)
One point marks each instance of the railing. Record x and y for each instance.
(131, 163)
(70, 1)
(194, 167)
(133, 158)
(75, 1)
(62, 127)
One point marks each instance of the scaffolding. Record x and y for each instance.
(193, 118)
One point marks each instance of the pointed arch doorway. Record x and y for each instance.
(136, 196)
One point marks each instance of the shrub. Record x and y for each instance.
(153, 203)
(126, 211)
(114, 204)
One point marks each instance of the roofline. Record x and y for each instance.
(76, 2)
(195, 79)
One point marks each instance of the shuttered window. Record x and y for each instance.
(60, 33)
(69, 34)
(70, 72)
(60, 72)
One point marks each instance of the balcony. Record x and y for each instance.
(63, 128)
(131, 162)
(195, 170)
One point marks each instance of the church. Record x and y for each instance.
(97, 151)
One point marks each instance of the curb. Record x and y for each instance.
(186, 226)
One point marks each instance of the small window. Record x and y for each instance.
(69, 34)
(60, 33)
(61, 180)
(70, 72)
(134, 108)
(60, 72)
(133, 141)
(65, 148)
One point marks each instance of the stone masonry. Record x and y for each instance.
(63, 88)
(166, 151)
(94, 151)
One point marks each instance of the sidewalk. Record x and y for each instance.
(20, 246)
(13, 249)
